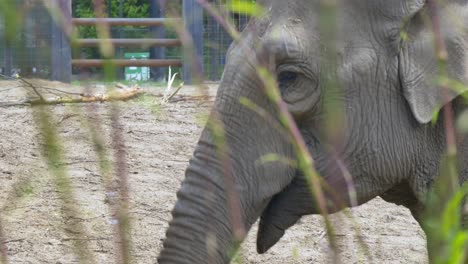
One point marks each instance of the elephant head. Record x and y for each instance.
(387, 145)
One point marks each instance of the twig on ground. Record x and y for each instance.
(175, 92)
(124, 93)
(3, 248)
(51, 90)
(170, 80)
(84, 98)
(30, 85)
(183, 98)
(17, 103)
(322, 235)
(84, 239)
(13, 240)
(9, 89)
(6, 77)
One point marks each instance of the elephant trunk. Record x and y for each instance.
(201, 231)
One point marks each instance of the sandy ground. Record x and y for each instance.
(159, 142)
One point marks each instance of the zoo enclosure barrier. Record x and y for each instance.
(127, 42)
(42, 48)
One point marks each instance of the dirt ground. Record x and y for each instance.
(159, 142)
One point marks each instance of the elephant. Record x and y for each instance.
(389, 144)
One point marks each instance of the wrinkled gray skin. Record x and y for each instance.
(388, 145)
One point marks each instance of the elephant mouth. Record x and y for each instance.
(297, 200)
(336, 185)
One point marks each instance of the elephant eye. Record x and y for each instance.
(298, 86)
(286, 79)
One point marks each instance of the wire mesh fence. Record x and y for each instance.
(216, 43)
(30, 52)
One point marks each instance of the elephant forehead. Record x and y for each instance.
(395, 9)
(289, 41)
(296, 13)
(300, 8)
(356, 21)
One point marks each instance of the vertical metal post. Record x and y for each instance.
(109, 8)
(193, 63)
(157, 10)
(243, 21)
(225, 42)
(213, 28)
(118, 32)
(7, 58)
(6, 45)
(61, 52)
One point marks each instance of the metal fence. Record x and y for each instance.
(216, 43)
(30, 52)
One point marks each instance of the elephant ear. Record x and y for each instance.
(418, 66)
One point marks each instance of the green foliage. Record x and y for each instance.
(84, 9)
(11, 18)
(129, 9)
(274, 157)
(247, 7)
(133, 8)
(462, 122)
(447, 240)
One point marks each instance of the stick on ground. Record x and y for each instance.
(117, 95)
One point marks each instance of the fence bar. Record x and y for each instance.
(60, 48)
(130, 42)
(7, 57)
(157, 10)
(193, 19)
(126, 62)
(123, 21)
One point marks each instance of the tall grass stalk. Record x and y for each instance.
(120, 211)
(105, 167)
(233, 200)
(3, 246)
(122, 214)
(53, 153)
